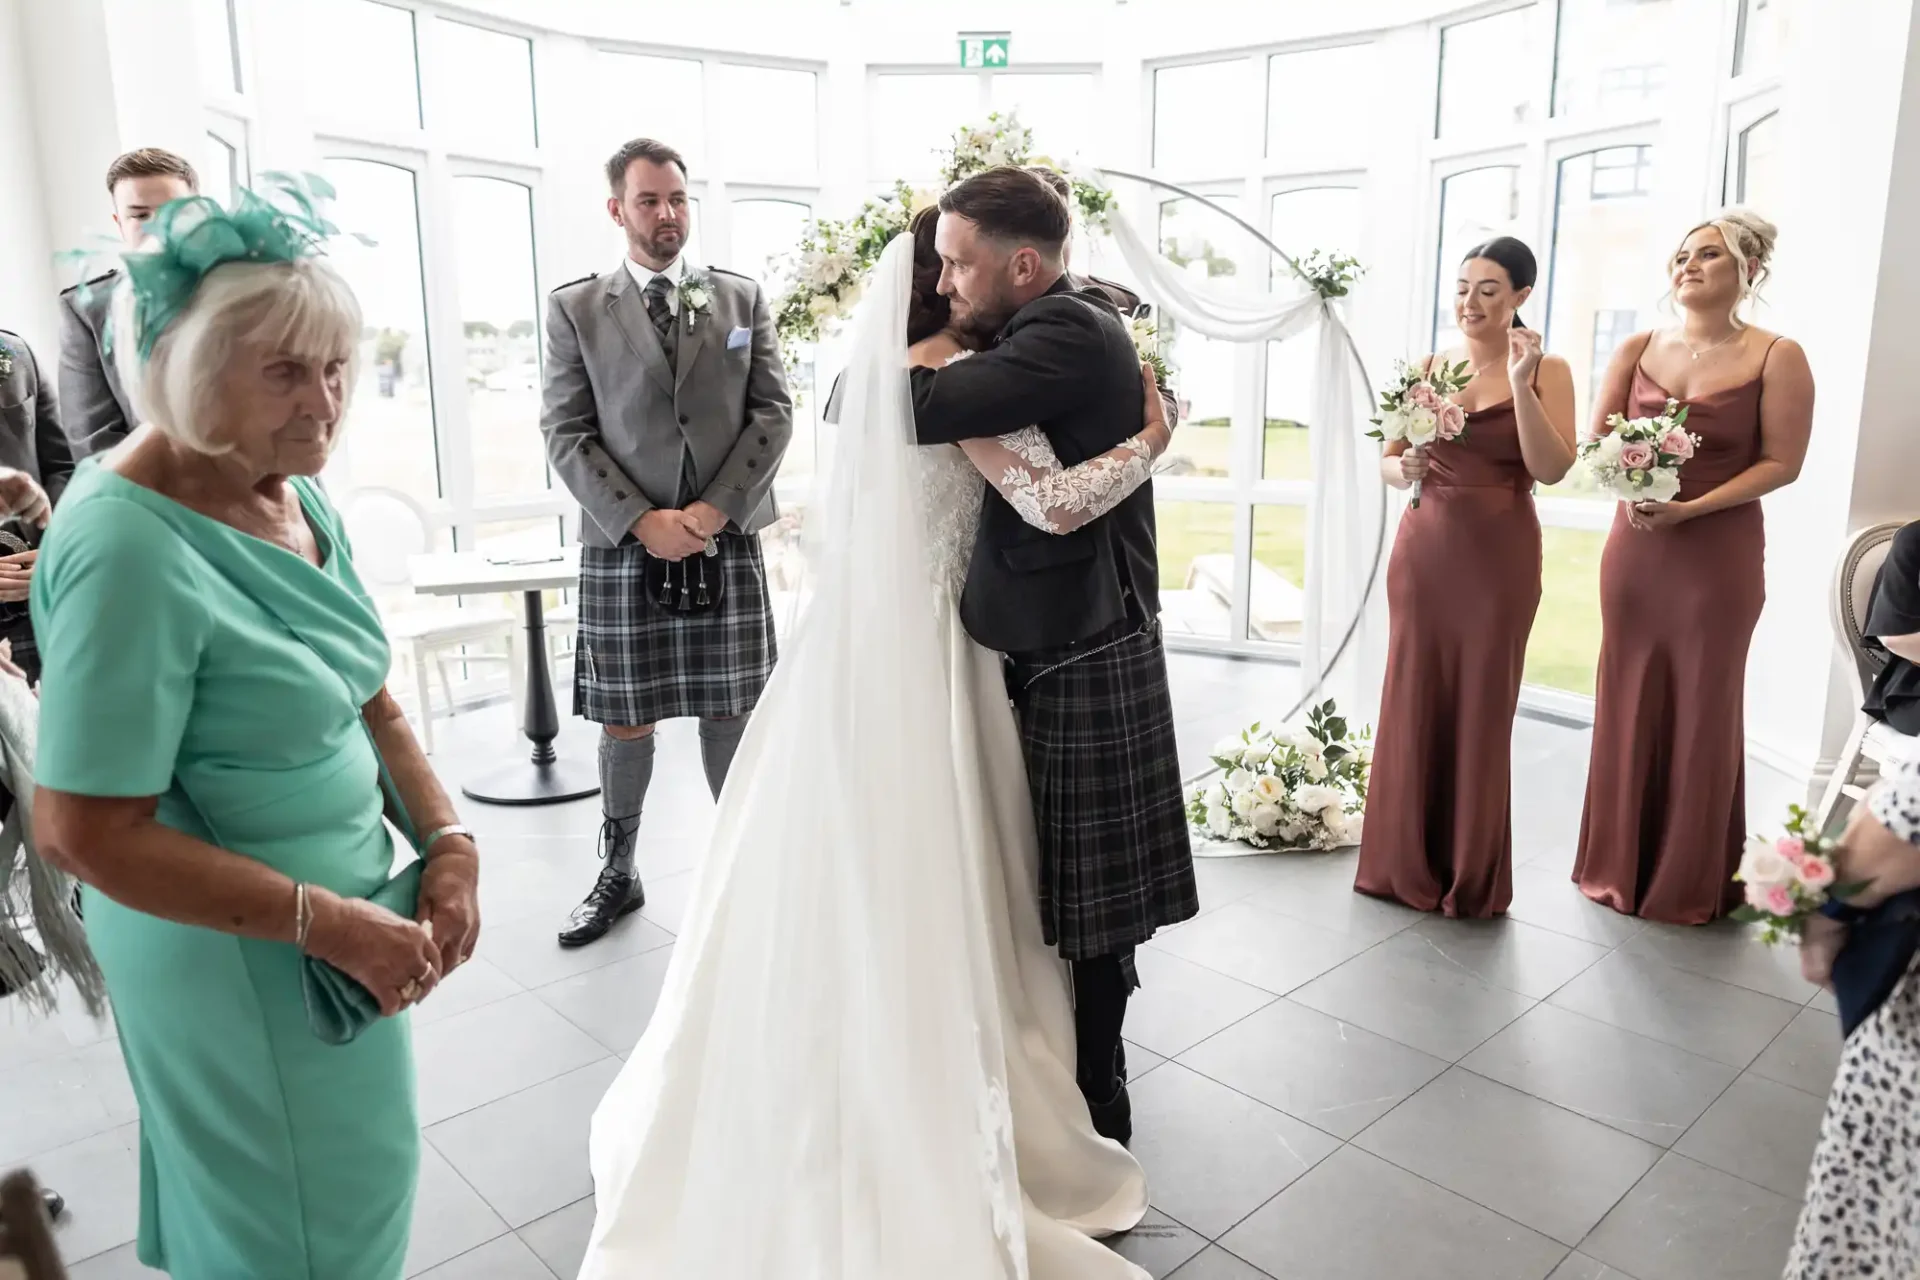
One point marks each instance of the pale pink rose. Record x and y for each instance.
(1636, 455)
(1677, 444)
(1423, 395)
(1757, 896)
(1453, 420)
(1779, 900)
(1792, 848)
(1815, 872)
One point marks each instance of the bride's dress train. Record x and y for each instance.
(861, 1064)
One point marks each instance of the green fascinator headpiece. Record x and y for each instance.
(194, 235)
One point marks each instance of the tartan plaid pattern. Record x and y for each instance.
(638, 664)
(1115, 860)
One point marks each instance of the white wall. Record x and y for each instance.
(26, 276)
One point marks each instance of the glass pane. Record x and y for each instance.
(1763, 25)
(1201, 119)
(1326, 218)
(1320, 81)
(783, 547)
(1059, 110)
(914, 119)
(217, 45)
(764, 231)
(749, 148)
(485, 86)
(1611, 57)
(1196, 567)
(1606, 276)
(220, 172)
(1564, 648)
(639, 96)
(390, 440)
(1472, 101)
(1207, 245)
(498, 304)
(1757, 163)
(377, 42)
(1475, 206)
(1276, 600)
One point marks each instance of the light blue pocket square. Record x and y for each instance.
(739, 338)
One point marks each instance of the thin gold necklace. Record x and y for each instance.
(1701, 351)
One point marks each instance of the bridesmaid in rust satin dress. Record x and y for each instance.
(1462, 589)
(1681, 587)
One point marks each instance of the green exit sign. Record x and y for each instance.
(984, 50)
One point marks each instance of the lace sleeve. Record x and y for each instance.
(1023, 467)
(1896, 801)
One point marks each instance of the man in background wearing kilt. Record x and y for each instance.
(1078, 615)
(666, 414)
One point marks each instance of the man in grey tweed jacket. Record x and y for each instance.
(666, 414)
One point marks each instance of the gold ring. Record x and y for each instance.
(411, 991)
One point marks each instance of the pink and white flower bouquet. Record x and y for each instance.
(1639, 459)
(1788, 879)
(1415, 408)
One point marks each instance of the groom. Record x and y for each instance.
(1077, 616)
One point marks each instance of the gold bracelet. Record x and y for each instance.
(302, 916)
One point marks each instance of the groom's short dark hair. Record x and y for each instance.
(1012, 204)
(640, 149)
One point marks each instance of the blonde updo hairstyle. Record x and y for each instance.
(303, 308)
(1750, 239)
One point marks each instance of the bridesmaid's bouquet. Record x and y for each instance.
(1639, 459)
(1416, 408)
(1788, 879)
(1288, 789)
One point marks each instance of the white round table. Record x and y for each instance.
(544, 778)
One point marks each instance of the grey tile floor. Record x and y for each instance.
(1328, 1087)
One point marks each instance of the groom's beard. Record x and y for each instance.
(664, 244)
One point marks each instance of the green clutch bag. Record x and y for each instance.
(339, 1008)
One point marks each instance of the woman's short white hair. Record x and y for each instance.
(302, 308)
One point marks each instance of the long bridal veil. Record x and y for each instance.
(822, 1093)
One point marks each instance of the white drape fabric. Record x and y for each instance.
(1348, 494)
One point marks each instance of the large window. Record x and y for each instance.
(1194, 110)
(1563, 650)
(1757, 44)
(499, 302)
(391, 439)
(1058, 108)
(1276, 594)
(217, 40)
(485, 95)
(641, 96)
(1606, 258)
(763, 233)
(1300, 221)
(1196, 567)
(1611, 59)
(913, 118)
(765, 128)
(1212, 247)
(1316, 118)
(1475, 206)
(1753, 169)
(1474, 98)
(378, 42)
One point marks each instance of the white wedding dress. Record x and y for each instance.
(861, 1066)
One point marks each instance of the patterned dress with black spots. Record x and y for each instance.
(1862, 1212)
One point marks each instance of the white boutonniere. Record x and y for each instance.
(6, 360)
(696, 296)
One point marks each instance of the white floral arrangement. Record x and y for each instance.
(6, 360)
(1146, 345)
(826, 269)
(1288, 789)
(696, 296)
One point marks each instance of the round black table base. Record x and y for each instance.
(524, 783)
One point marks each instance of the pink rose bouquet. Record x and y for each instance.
(1638, 459)
(1416, 408)
(1788, 879)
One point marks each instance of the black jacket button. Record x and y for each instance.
(619, 496)
(752, 463)
(684, 419)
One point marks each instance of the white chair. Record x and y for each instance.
(387, 528)
(1870, 744)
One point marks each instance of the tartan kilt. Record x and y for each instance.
(637, 664)
(1115, 860)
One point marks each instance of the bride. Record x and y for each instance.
(861, 1065)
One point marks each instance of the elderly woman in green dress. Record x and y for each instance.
(214, 730)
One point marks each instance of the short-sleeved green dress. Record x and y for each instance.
(188, 660)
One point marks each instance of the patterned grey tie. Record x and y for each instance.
(660, 311)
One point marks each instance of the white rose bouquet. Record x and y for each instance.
(1288, 789)
(1639, 459)
(1416, 408)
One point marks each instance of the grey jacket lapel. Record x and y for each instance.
(629, 311)
(695, 333)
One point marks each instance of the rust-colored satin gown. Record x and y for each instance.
(1666, 811)
(1462, 589)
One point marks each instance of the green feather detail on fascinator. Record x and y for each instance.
(192, 236)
